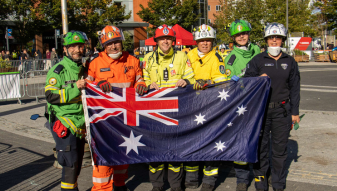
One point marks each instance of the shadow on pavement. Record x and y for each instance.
(23, 169)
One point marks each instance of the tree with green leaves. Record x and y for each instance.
(28, 22)
(128, 42)
(169, 12)
(88, 16)
(261, 12)
(328, 13)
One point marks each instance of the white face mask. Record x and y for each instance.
(274, 51)
(115, 56)
(242, 47)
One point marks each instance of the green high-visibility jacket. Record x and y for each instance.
(238, 66)
(63, 96)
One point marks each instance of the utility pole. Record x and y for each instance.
(288, 45)
(7, 38)
(64, 16)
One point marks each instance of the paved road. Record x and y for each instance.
(26, 146)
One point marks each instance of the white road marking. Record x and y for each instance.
(313, 86)
(318, 90)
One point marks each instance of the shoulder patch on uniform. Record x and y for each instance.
(52, 81)
(231, 60)
(58, 69)
(228, 72)
(222, 69)
(219, 57)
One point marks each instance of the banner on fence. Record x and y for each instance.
(177, 124)
(10, 85)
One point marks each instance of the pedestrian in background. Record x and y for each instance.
(48, 61)
(7, 56)
(14, 55)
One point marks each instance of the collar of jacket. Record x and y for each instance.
(72, 66)
(204, 59)
(245, 53)
(165, 56)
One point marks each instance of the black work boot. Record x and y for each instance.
(207, 187)
(157, 189)
(191, 185)
(121, 188)
(241, 187)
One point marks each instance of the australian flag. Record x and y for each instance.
(220, 123)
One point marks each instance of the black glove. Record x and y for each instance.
(141, 89)
(200, 85)
(105, 86)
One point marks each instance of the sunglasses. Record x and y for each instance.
(275, 37)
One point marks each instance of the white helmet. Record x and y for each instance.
(203, 32)
(275, 29)
(222, 46)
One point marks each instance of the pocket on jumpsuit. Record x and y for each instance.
(62, 158)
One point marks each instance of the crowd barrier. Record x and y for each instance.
(20, 78)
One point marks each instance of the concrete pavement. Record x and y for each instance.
(26, 146)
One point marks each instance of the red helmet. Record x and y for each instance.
(164, 30)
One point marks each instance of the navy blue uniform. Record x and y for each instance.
(284, 102)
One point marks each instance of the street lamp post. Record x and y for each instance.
(64, 16)
(288, 45)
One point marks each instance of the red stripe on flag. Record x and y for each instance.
(106, 115)
(165, 118)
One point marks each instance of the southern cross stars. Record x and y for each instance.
(132, 143)
(241, 110)
(223, 95)
(220, 146)
(230, 124)
(200, 119)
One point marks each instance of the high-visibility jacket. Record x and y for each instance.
(123, 72)
(236, 65)
(63, 97)
(175, 62)
(209, 67)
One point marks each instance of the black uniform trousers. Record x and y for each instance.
(70, 150)
(242, 173)
(210, 171)
(276, 128)
(174, 175)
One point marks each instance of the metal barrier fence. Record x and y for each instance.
(29, 77)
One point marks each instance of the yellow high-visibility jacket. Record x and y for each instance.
(154, 64)
(210, 67)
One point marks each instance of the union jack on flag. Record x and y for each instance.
(177, 124)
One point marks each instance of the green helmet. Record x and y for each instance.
(239, 26)
(73, 37)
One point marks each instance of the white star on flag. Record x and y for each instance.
(200, 119)
(241, 110)
(220, 146)
(223, 95)
(132, 143)
(230, 124)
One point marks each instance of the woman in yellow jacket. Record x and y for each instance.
(166, 67)
(208, 68)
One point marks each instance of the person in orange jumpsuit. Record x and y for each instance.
(114, 68)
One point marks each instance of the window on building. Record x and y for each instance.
(209, 8)
(209, 21)
(218, 8)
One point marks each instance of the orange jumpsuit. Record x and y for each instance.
(124, 73)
